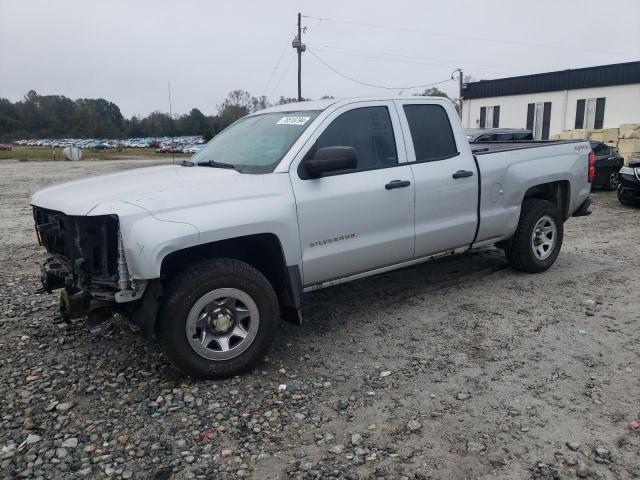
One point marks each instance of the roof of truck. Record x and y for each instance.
(322, 104)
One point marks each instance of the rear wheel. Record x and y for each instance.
(537, 241)
(613, 181)
(219, 318)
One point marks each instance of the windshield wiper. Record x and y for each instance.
(214, 164)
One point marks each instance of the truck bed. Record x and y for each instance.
(482, 148)
(509, 169)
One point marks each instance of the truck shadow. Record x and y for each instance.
(336, 305)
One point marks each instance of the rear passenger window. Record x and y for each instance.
(369, 131)
(431, 132)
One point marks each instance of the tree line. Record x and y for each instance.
(56, 116)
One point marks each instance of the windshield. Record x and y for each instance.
(255, 144)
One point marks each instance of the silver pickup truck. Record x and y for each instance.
(207, 256)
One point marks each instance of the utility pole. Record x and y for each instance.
(300, 47)
(460, 80)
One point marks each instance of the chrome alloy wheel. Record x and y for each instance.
(544, 236)
(614, 180)
(222, 324)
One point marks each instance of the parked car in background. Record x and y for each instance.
(608, 165)
(497, 134)
(192, 149)
(104, 144)
(5, 147)
(629, 188)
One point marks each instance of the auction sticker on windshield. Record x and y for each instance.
(293, 120)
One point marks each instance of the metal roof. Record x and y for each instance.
(599, 76)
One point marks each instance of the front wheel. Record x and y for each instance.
(536, 243)
(219, 318)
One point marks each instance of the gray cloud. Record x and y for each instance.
(127, 51)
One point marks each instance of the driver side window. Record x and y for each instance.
(369, 131)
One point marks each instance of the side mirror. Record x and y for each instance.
(329, 159)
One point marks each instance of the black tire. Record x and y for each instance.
(520, 251)
(188, 287)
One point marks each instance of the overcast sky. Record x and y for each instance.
(127, 51)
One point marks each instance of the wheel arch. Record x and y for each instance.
(263, 251)
(557, 192)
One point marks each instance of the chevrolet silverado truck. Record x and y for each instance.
(209, 255)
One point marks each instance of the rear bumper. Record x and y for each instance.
(583, 210)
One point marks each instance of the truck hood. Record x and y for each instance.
(158, 190)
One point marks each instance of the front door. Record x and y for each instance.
(354, 221)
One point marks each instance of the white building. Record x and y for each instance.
(548, 103)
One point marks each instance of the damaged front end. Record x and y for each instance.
(86, 259)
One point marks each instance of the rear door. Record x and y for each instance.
(354, 221)
(445, 175)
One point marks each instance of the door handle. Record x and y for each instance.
(462, 174)
(397, 184)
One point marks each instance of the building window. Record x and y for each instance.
(490, 117)
(590, 113)
(539, 119)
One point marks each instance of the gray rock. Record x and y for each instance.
(65, 406)
(582, 470)
(336, 449)
(356, 439)
(33, 438)
(70, 443)
(573, 446)
(463, 396)
(602, 452)
(413, 426)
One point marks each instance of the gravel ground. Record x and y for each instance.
(459, 368)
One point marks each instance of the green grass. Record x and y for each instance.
(46, 153)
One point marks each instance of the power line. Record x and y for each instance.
(345, 51)
(286, 45)
(418, 57)
(286, 69)
(466, 37)
(371, 84)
